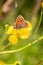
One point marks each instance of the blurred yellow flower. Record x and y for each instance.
(11, 30)
(22, 33)
(17, 63)
(25, 32)
(6, 26)
(42, 4)
(2, 62)
(13, 39)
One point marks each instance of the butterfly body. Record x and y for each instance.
(20, 22)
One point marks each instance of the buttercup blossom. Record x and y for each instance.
(13, 39)
(25, 32)
(6, 26)
(22, 33)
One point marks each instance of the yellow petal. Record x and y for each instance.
(25, 32)
(11, 30)
(29, 26)
(13, 39)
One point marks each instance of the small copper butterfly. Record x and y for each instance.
(20, 22)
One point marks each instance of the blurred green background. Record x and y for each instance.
(31, 11)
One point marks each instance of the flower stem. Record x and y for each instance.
(6, 46)
(20, 49)
(39, 23)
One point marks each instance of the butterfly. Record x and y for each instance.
(20, 22)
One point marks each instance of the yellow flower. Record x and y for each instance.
(25, 32)
(17, 63)
(29, 26)
(11, 30)
(6, 26)
(13, 39)
(22, 33)
(2, 62)
(42, 4)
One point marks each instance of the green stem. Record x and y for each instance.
(3, 38)
(39, 23)
(17, 50)
(6, 46)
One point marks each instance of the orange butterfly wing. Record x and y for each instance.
(19, 20)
